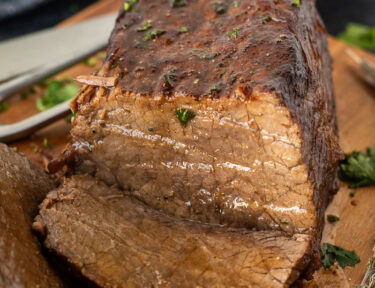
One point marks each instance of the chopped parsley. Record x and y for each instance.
(128, 5)
(234, 33)
(296, 3)
(265, 19)
(177, 3)
(332, 218)
(184, 29)
(46, 144)
(332, 253)
(235, 4)
(171, 77)
(58, 91)
(146, 25)
(359, 168)
(184, 115)
(90, 62)
(220, 7)
(101, 55)
(3, 107)
(216, 88)
(359, 35)
(284, 223)
(153, 34)
(208, 56)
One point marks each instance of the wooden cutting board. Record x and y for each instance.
(356, 115)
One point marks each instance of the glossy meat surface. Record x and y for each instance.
(117, 241)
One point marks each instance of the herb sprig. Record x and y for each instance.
(343, 257)
(57, 91)
(359, 35)
(359, 168)
(184, 115)
(297, 3)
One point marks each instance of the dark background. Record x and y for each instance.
(19, 17)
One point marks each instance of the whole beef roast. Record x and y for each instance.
(254, 79)
(22, 187)
(117, 241)
(214, 119)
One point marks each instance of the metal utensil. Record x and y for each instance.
(28, 59)
(21, 129)
(32, 58)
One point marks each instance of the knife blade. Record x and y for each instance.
(28, 59)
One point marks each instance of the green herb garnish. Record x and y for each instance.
(58, 91)
(101, 55)
(359, 35)
(332, 218)
(46, 144)
(90, 62)
(177, 3)
(265, 19)
(183, 29)
(284, 223)
(220, 7)
(35, 147)
(146, 25)
(234, 33)
(216, 88)
(128, 5)
(235, 4)
(343, 257)
(184, 115)
(359, 168)
(208, 56)
(3, 107)
(171, 77)
(153, 34)
(296, 3)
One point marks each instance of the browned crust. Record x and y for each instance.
(286, 55)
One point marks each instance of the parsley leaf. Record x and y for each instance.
(359, 168)
(171, 77)
(332, 218)
(296, 3)
(183, 29)
(46, 143)
(146, 25)
(359, 35)
(344, 258)
(58, 91)
(184, 115)
(234, 33)
(153, 34)
(265, 19)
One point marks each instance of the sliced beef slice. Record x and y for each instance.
(116, 241)
(262, 150)
(23, 186)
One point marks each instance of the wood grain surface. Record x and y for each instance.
(356, 115)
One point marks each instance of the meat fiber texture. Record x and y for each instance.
(117, 241)
(261, 152)
(22, 187)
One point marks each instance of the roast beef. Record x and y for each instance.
(117, 241)
(215, 121)
(22, 187)
(262, 150)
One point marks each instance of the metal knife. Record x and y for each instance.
(28, 59)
